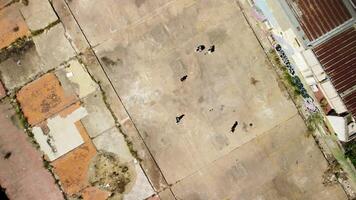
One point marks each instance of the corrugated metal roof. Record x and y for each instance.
(350, 101)
(338, 58)
(318, 17)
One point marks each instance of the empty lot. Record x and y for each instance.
(146, 47)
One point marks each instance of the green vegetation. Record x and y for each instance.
(105, 99)
(285, 75)
(313, 121)
(37, 32)
(350, 151)
(323, 103)
(22, 122)
(131, 148)
(16, 48)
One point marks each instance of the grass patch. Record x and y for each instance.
(287, 79)
(39, 31)
(313, 122)
(22, 121)
(127, 140)
(350, 151)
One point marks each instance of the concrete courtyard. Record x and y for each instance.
(147, 47)
(133, 69)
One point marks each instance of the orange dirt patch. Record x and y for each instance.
(12, 26)
(2, 90)
(43, 98)
(3, 3)
(82, 131)
(72, 168)
(93, 193)
(64, 113)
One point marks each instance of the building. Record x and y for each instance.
(319, 38)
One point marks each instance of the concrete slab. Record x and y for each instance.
(142, 188)
(12, 26)
(217, 93)
(38, 14)
(113, 141)
(281, 164)
(72, 30)
(42, 98)
(166, 195)
(81, 81)
(21, 67)
(148, 163)
(59, 135)
(119, 16)
(53, 47)
(148, 50)
(72, 169)
(22, 171)
(99, 118)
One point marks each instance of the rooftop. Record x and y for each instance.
(338, 56)
(319, 17)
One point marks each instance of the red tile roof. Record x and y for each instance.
(318, 17)
(338, 58)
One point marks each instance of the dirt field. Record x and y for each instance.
(147, 53)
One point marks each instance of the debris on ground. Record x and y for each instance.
(179, 118)
(200, 48)
(108, 173)
(253, 81)
(211, 49)
(7, 155)
(234, 126)
(107, 61)
(184, 78)
(333, 173)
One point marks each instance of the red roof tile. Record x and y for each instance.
(318, 17)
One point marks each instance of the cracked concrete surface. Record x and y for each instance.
(132, 56)
(145, 59)
(53, 47)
